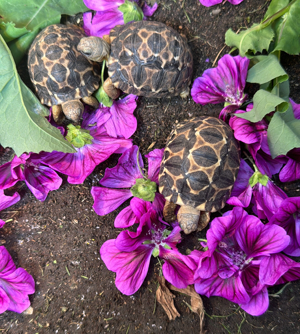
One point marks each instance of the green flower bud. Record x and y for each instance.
(131, 11)
(144, 189)
(78, 137)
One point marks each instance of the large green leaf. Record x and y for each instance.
(21, 125)
(274, 7)
(250, 41)
(263, 103)
(287, 30)
(283, 133)
(267, 69)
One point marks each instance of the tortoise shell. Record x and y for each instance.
(58, 71)
(149, 59)
(200, 164)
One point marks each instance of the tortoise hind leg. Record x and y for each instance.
(168, 212)
(91, 101)
(110, 89)
(57, 114)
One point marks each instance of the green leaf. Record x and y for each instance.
(103, 98)
(274, 7)
(144, 189)
(258, 177)
(263, 103)
(34, 15)
(21, 126)
(283, 133)
(131, 11)
(267, 69)
(287, 30)
(250, 41)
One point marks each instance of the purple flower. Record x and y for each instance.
(267, 197)
(209, 3)
(255, 136)
(129, 255)
(15, 285)
(93, 146)
(127, 174)
(6, 201)
(39, 179)
(232, 265)
(109, 14)
(288, 217)
(225, 83)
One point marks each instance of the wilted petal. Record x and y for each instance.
(107, 200)
(235, 2)
(40, 180)
(258, 303)
(154, 161)
(257, 239)
(17, 284)
(225, 83)
(7, 201)
(122, 123)
(10, 175)
(178, 269)
(126, 172)
(102, 22)
(209, 3)
(130, 268)
(148, 10)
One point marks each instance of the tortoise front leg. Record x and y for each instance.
(110, 89)
(168, 212)
(57, 114)
(204, 220)
(91, 101)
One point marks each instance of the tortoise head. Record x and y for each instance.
(94, 48)
(188, 218)
(73, 110)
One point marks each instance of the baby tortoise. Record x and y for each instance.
(200, 164)
(145, 58)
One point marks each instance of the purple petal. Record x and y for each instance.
(154, 161)
(122, 123)
(274, 266)
(209, 3)
(291, 171)
(17, 284)
(139, 207)
(4, 301)
(107, 200)
(128, 241)
(178, 269)
(207, 265)
(148, 10)
(243, 199)
(296, 109)
(235, 2)
(268, 198)
(102, 22)
(288, 217)
(126, 172)
(230, 288)
(227, 111)
(40, 180)
(158, 203)
(225, 83)
(242, 180)
(131, 268)
(266, 165)
(102, 5)
(125, 218)
(258, 303)
(250, 278)
(174, 237)
(10, 175)
(257, 239)
(7, 201)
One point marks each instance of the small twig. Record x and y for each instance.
(218, 55)
(261, 7)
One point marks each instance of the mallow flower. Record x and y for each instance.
(15, 285)
(223, 84)
(237, 260)
(253, 186)
(92, 143)
(255, 136)
(142, 186)
(40, 179)
(7, 201)
(111, 13)
(288, 217)
(209, 3)
(129, 255)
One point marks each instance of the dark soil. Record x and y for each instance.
(58, 241)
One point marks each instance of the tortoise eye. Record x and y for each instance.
(87, 53)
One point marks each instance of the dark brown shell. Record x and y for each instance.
(58, 71)
(149, 59)
(200, 164)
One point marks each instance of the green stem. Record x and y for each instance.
(102, 72)
(138, 163)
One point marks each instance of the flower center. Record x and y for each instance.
(233, 96)
(144, 189)
(237, 256)
(77, 136)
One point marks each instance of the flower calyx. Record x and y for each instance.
(77, 136)
(258, 177)
(131, 11)
(144, 189)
